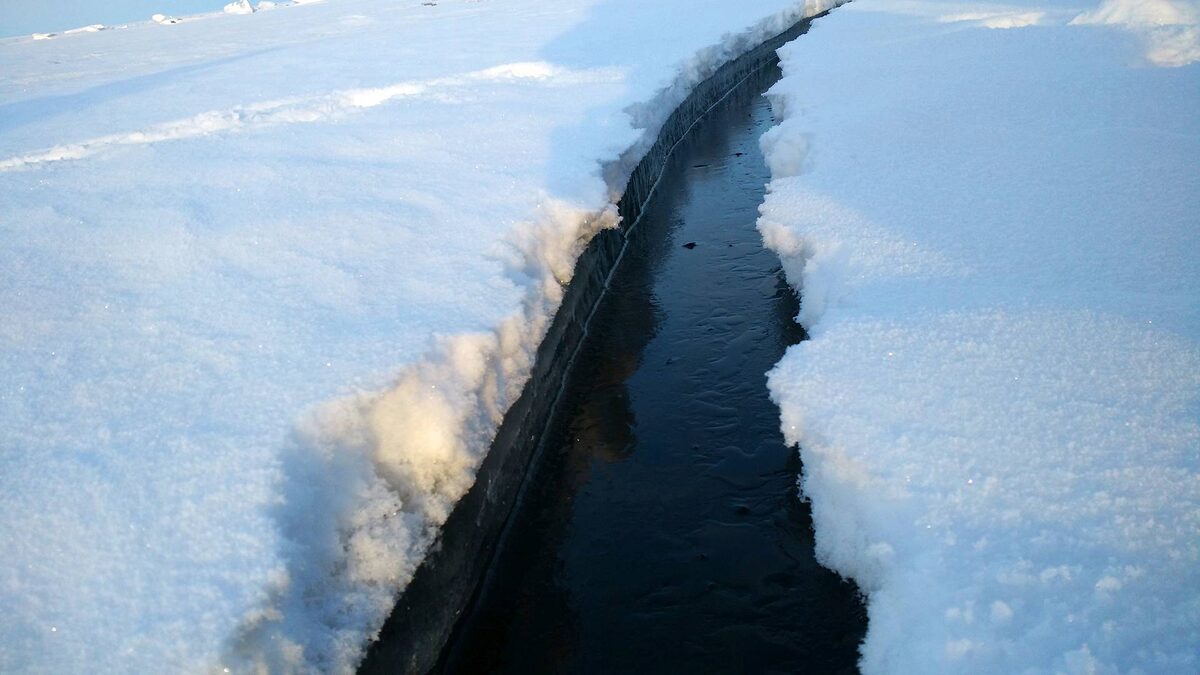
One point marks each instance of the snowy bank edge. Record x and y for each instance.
(829, 269)
(394, 463)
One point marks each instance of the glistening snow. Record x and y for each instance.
(991, 212)
(270, 281)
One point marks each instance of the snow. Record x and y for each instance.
(19, 17)
(1170, 29)
(239, 7)
(270, 282)
(995, 237)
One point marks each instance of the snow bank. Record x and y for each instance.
(996, 241)
(271, 282)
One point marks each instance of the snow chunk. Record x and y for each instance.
(93, 28)
(239, 7)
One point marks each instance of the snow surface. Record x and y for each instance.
(270, 282)
(996, 237)
(26, 17)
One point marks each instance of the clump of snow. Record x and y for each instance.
(270, 287)
(999, 407)
(239, 7)
(164, 19)
(93, 28)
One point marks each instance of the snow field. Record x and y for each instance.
(994, 233)
(270, 283)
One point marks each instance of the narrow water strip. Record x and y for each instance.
(661, 530)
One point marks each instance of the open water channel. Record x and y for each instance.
(661, 530)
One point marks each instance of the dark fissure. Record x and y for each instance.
(661, 530)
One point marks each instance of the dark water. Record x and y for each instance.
(662, 531)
